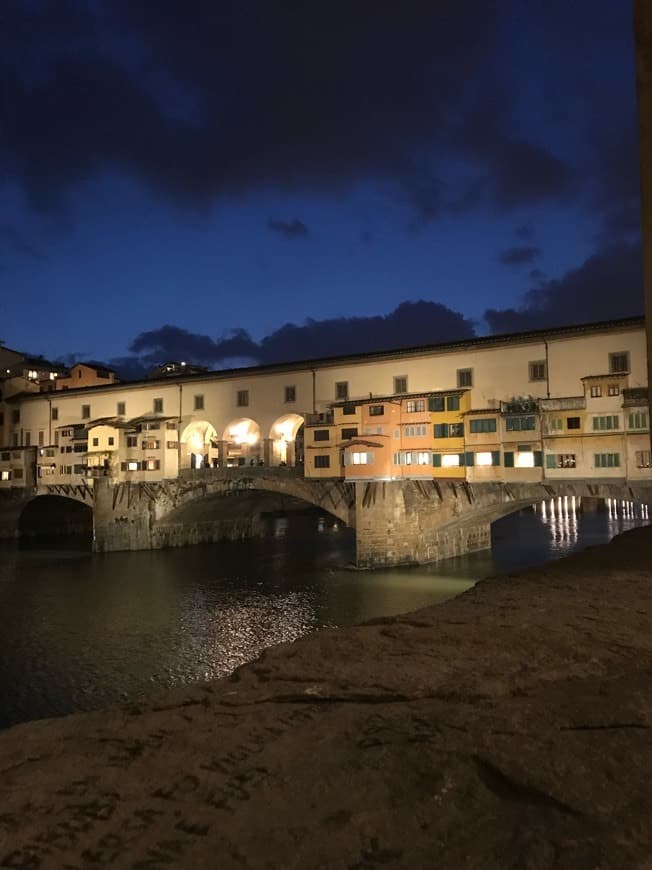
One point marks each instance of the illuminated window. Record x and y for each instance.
(465, 377)
(242, 398)
(525, 460)
(400, 384)
(450, 460)
(359, 458)
(537, 370)
(485, 458)
(132, 466)
(619, 362)
(5, 475)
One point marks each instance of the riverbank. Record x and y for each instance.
(509, 727)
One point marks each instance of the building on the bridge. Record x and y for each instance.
(86, 375)
(565, 402)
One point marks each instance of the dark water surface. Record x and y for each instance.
(81, 631)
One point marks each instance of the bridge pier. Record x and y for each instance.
(413, 522)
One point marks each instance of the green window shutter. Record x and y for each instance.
(436, 460)
(469, 459)
(551, 460)
(617, 460)
(495, 457)
(462, 459)
(538, 459)
(509, 458)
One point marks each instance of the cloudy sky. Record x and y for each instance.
(229, 180)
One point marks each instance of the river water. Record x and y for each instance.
(81, 630)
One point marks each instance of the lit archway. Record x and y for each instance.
(199, 445)
(286, 440)
(243, 442)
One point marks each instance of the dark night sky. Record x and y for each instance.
(269, 179)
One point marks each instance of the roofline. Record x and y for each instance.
(369, 356)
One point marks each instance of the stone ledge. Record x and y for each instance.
(510, 727)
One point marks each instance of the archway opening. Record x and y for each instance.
(243, 443)
(48, 518)
(286, 440)
(199, 445)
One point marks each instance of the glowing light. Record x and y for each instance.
(196, 441)
(241, 433)
(450, 460)
(525, 460)
(284, 430)
(483, 458)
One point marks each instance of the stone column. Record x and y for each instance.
(222, 451)
(268, 451)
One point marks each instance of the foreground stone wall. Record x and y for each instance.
(508, 728)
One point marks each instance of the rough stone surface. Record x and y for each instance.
(508, 728)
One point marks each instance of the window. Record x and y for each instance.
(172, 445)
(415, 405)
(418, 431)
(291, 394)
(78, 448)
(482, 425)
(400, 384)
(555, 424)
(111, 440)
(151, 464)
(619, 362)
(613, 390)
(2, 416)
(158, 406)
(322, 461)
(28, 439)
(85, 412)
(321, 435)
(643, 459)
(485, 458)
(573, 423)
(465, 377)
(54, 414)
(242, 398)
(520, 424)
(607, 460)
(5, 457)
(5, 475)
(561, 460)
(15, 415)
(413, 457)
(436, 403)
(537, 370)
(341, 390)
(452, 403)
(171, 425)
(605, 422)
(199, 402)
(132, 441)
(151, 444)
(349, 433)
(347, 410)
(596, 392)
(376, 410)
(41, 439)
(449, 430)
(638, 420)
(360, 458)
(121, 409)
(78, 469)
(96, 442)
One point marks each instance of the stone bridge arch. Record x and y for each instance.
(51, 514)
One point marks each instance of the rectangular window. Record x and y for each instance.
(452, 460)
(482, 425)
(85, 412)
(349, 433)
(607, 460)
(613, 390)
(199, 402)
(28, 439)
(242, 398)
(359, 458)
(596, 392)
(415, 405)
(441, 430)
(508, 457)
(561, 460)
(465, 377)
(158, 406)
(54, 414)
(520, 424)
(400, 384)
(41, 439)
(111, 440)
(376, 410)
(605, 422)
(322, 461)
(321, 435)
(132, 441)
(172, 445)
(643, 459)
(537, 370)
(78, 469)
(573, 423)
(151, 444)
(341, 390)
(619, 362)
(347, 410)
(453, 402)
(5, 475)
(291, 394)
(96, 442)
(15, 415)
(555, 424)
(151, 464)
(420, 430)
(484, 458)
(638, 420)
(436, 403)
(121, 409)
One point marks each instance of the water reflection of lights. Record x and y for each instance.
(560, 515)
